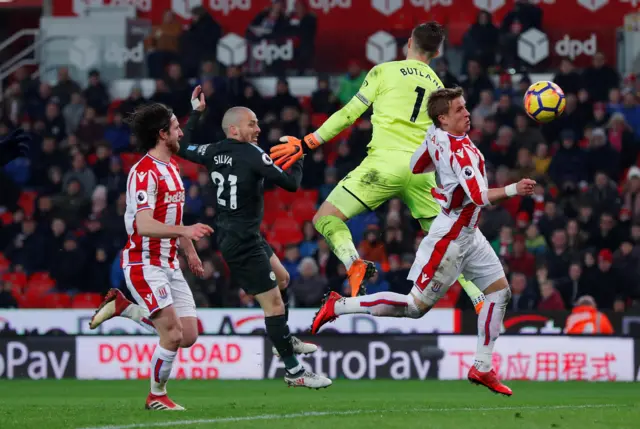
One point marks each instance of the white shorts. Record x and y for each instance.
(156, 288)
(440, 261)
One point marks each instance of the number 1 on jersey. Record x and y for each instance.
(218, 179)
(416, 107)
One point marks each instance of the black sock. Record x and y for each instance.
(280, 336)
(285, 299)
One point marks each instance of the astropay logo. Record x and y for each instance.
(572, 48)
(36, 358)
(327, 5)
(489, 5)
(270, 52)
(226, 6)
(428, 4)
(386, 7)
(593, 5)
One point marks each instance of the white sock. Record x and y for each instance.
(140, 315)
(489, 322)
(161, 364)
(382, 304)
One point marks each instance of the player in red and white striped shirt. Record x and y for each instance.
(153, 219)
(454, 245)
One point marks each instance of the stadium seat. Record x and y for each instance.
(317, 119)
(6, 218)
(189, 169)
(303, 210)
(56, 300)
(16, 279)
(113, 107)
(128, 160)
(285, 197)
(27, 202)
(308, 194)
(305, 103)
(86, 300)
(41, 278)
(5, 264)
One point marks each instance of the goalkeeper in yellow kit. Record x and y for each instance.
(398, 91)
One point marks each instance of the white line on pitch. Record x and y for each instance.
(346, 413)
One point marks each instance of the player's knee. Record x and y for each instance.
(283, 280)
(174, 336)
(188, 339)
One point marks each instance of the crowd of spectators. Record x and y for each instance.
(62, 210)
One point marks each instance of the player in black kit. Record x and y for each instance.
(238, 167)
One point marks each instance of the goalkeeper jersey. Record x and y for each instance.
(399, 91)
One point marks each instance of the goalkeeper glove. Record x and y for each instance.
(14, 145)
(286, 154)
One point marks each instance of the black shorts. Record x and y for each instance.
(249, 263)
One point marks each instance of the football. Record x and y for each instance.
(544, 101)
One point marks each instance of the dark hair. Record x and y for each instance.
(147, 121)
(428, 37)
(439, 102)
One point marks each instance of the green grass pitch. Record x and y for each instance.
(71, 404)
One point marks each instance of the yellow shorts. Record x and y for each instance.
(382, 175)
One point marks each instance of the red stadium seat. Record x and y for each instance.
(16, 279)
(305, 103)
(128, 160)
(113, 107)
(317, 119)
(6, 218)
(303, 210)
(56, 300)
(5, 264)
(285, 197)
(285, 236)
(86, 300)
(27, 202)
(308, 194)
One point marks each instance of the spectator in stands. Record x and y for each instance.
(522, 298)
(64, 266)
(600, 78)
(372, 247)
(520, 260)
(82, 173)
(345, 161)
(503, 244)
(550, 299)
(309, 245)
(572, 286)
(7, 300)
(118, 134)
(631, 193)
(568, 78)
(198, 43)
(27, 247)
(53, 120)
(481, 40)
(291, 260)
(445, 75)
(90, 130)
(330, 181)
(65, 87)
(303, 25)
(270, 23)
(485, 106)
(496, 216)
(162, 44)
(282, 99)
(96, 93)
(134, 100)
(603, 194)
(309, 287)
(73, 112)
(569, 164)
(474, 82)
(351, 82)
(322, 99)
(604, 284)
(72, 205)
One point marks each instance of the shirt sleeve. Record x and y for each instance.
(354, 108)
(190, 151)
(143, 190)
(263, 165)
(468, 176)
(421, 161)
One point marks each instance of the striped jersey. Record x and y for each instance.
(461, 175)
(153, 185)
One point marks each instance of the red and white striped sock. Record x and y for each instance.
(139, 315)
(489, 322)
(161, 364)
(382, 304)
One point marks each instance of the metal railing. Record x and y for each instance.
(26, 57)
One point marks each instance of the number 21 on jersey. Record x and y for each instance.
(220, 181)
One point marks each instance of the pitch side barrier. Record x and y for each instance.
(354, 357)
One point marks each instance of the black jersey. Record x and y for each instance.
(238, 170)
